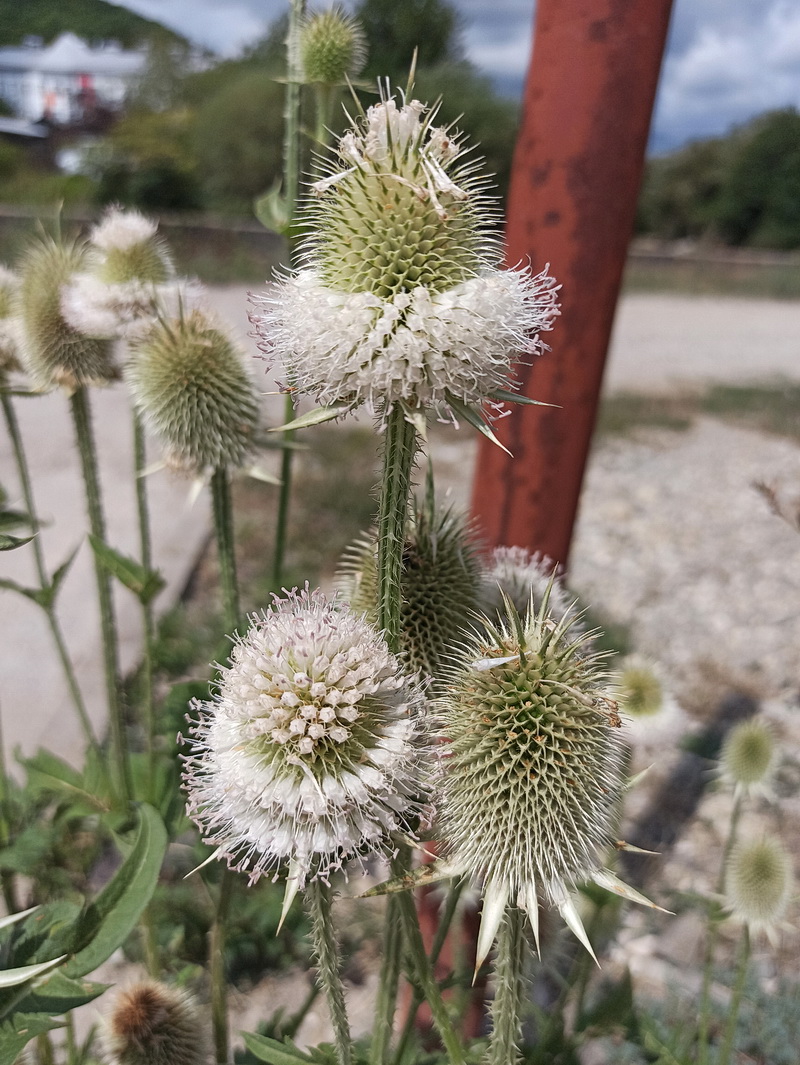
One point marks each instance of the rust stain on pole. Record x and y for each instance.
(572, 203)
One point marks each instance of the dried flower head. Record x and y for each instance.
(531, 768)
(307, 755)
(153, 1024)
(522, 576)
(189, 382)
(758, 882)
(332, 47)
(53, 351)
(439, 584)
(9, 342)
(401, 298)
(748, 757)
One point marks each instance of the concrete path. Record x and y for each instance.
(659, 342)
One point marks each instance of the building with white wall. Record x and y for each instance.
(62, 81)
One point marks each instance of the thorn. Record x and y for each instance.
(569, 912)
(495, 899)
(292, 887)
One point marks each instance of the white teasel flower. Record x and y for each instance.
(758, 884)
(523, 576)
(125, 309)
(401, 298)
(308, 754)
(654, 722)
(749, 758)
(530, 769)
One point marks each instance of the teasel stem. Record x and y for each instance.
(82, 419)
(509, 993)
(216, 966)
(423, 973)
(736, 999)
(711, 939)
(386, 1002)
(291, 188)
(148, 613)
(399, 450)
(318, 902)
(7, 880)
(443, 927)
(23, 472)
(223, 530)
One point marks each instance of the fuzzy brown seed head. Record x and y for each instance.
(152, 1024)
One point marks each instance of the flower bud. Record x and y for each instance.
(332, 47)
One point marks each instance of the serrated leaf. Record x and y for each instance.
(504, 396)
(314, 417)
(474, 418)
(145, 584)
(60, 994)
(17, 1032)
(11, 543)
(273, 1052)
(113, 915)
(419, 877)
(23, 973)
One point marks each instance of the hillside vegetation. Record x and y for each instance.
(94, 20)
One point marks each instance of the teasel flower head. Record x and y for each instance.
(749, 757)
(758, 884)
(400, 298)
(127, 248)
(9, 333)
(153, 1024)
(332, 47)
(308, 754)
(439, 584)
(522, 576)
(53, 351)
(189, 382)
(530, 768)
(654, 723)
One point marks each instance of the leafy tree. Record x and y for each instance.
(394, 30)
(93, 20)
(681, 191)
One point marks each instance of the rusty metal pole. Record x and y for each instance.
(572, 202)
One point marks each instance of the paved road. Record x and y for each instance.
(659, 342)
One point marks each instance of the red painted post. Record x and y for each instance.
(572, 202)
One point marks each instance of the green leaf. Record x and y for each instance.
(272, 210)
(58, 576)
(43, 597)
(504, 396)
(13, 519)
(17, 1032)
(59, 995)
(12, 918)
(315, 417)
(113, 915)
(11, 543)
(47, 772)
(273, 1052)
(145, 584)
(474, 418)
(24, 973)
(46, 934)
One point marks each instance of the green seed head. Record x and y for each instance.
(127, 249)
(758, 882)
(531, 757)
(53, 352)
(748, 755)
(152, 1024)
(641, 693)
(439, 585)
(332, 47)
(398, 209)
(189, 382)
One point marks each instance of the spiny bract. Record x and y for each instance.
(53, 351)
(530, 768)
(153, 1024)
(332, 47)
(189, 382)
(523, 576)
(439, 584)
(308, 754)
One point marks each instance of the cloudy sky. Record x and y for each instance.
(726, 59)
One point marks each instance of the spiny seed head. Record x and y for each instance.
(127, 249)
(153, 1024)
(9, 344)
(531, 758)
(758, 881)
(522, 576)
(401, 297)
(332, 47)
(438, 589)
(308, 753)
(640, 689)
(748, 756)
(53, 351)
(189, 382)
